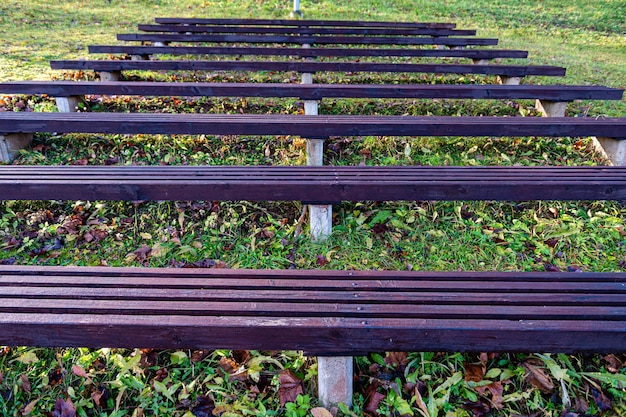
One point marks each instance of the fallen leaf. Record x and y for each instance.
(199, 355)
(475, 371)
(24, 383)
(290, 386)
(28, 408)
(373, 401)
(419, 401)
(603, 402)
(100, 396)
(537, 377)
(79, 371)
(321, 412)
(613, 363)
(28, 358)
(398, 359)
(321, 260)
(204, 407)
(56, 376)
(64, 408)
(82, 161)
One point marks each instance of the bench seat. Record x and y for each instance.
(306, 39)
(558, 93)
(306, 67)
(142, 50)
(310, 126)
(322, 185)
(319, 312)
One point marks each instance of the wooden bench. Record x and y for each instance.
(110, 70)
(325, 313)
(551, 98)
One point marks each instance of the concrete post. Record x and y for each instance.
(477, 61)
(321, 216)
(612, 149)
(11, 143)
(334, 376)
(140, 57)
(68, 104)
(110, 76)
(503, 79)
(551, 108)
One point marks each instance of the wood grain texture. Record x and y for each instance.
(413, 311)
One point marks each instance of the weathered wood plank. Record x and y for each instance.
(310, 126)
(306, 30)
(306, 52)
(302, 23)
(314, 91)
(334, 185)
(308, 67)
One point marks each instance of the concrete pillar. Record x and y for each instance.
(110, 75)
(160, 43)
(11, 143)
(68, 104)
(503, 79)
(612, 149)
(551, 108)
(476, 61)
(334, 380)
(140, 57)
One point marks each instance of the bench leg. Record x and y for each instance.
(321, 216)
(68, 104)
(11, 143)
(477, 61)
(613, 149)
(503, 79)
(110, 76)
(551, 108)
(334, 380)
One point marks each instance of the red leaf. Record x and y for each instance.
(475, 371)
(373, 401)
(290, 386)
(321, 260)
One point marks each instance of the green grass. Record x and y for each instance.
(585, 37)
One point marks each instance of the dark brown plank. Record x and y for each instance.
(302, 23)
(311, 126)
(320, 336)
(308, 67)
(314, 91)
(306, 30)
(306, 39)
(307, 52)
(215, 183)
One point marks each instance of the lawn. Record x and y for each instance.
(585, 37)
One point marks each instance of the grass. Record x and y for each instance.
(585, 37)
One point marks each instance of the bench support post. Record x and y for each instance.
(321, 216)
(68, 104)
(479, 61)
(613, 149)
(551, 108)
(334, 380)
(110, 76)
(503, 79)
(11, 143)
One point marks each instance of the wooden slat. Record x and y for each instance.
(306, 30)
(314, 184)
(302, 23)
(306, 39)
(307, 52)
(314, 91)
(310, 126)
(308, 67)
(93, 312)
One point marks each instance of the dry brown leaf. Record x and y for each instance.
(475, 371)
(373, 401)
(537, 377)
(613, 363)
(290, 386)
(24, 383)
(419, 401)
(64, 408)
(28, 408)
(321, 412)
